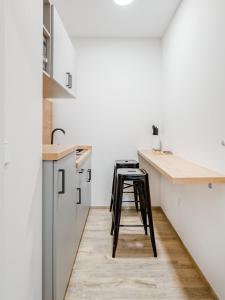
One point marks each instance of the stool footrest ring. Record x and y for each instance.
(134, 226)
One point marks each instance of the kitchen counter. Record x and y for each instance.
(56, 152)
(179, 170)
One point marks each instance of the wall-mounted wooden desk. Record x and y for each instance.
(180, 171)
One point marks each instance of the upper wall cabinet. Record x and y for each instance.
(63, 54)
(58, 56)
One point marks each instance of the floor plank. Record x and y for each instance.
(134, 274)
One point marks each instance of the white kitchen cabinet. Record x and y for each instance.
(63, 54)
(66, 203)
(60, 241)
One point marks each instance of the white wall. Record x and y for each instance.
(22, 221)
(118, 101)
(1, 144)
(1, 100)
(194, 125)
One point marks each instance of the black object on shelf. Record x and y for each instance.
(155, 130)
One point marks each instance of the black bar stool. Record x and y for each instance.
(121, 164)
(140, 177)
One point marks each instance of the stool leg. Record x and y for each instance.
(143, 207)
(113, 222)
(117, 216)
(135, 195)
(113, 190)
(114, 201)
(149, 211)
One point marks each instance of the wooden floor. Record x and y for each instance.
(134, 274)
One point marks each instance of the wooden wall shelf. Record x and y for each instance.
(179, 170)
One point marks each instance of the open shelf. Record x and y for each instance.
(47, 50)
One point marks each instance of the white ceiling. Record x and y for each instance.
(103, 18)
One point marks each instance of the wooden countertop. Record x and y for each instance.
(56, 152)
(179, 170)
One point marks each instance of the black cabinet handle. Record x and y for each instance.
(68, 76)
(69, 80)
(89, 172)
(63, 181)
(79, 190)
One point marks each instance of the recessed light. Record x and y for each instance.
(123, 2)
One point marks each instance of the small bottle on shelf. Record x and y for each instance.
(156, 139)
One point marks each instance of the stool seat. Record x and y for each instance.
(131, 172)
(130, 163)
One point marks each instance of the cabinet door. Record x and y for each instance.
(63, 54)
(85, 189)
(89, 183)
(64, 241)
(81, 207)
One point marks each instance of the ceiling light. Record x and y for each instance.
(123, 2)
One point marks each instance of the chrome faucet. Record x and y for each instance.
(53, 132)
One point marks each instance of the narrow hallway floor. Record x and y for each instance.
(134, 274)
